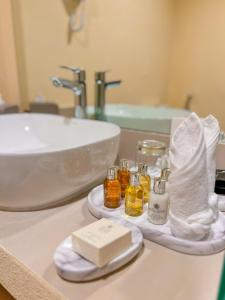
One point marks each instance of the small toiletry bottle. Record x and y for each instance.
(112, 189)
(159, 204)
(134, 196)
(145, 180)
(124, 176)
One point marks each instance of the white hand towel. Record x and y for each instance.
(212, 131)
(221, 202)
(190, 213)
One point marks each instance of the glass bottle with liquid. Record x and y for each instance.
(151, 153)
(124, 176)
(134, 196)
(112, 189)
(145, 180)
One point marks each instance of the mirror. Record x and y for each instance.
(169, 54)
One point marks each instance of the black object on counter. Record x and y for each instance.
(220, 182)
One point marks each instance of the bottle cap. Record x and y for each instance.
(140, 167)
(112, 173)
(165, 173)
(124, 164)
(134, 178)
(159, 185)
(145, 170)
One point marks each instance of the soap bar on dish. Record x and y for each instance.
(101, 241)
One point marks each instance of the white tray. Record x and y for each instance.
(161, 234)
(71, 266)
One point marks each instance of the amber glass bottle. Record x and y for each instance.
(124, 176)
(134, 196)
(112, 189)
(145, 180)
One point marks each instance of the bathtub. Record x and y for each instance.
(141, 117)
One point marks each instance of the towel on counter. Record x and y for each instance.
(191, 215)
(212, 132)
(221, 202)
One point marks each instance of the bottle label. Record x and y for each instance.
(158, 212)
(112, 193)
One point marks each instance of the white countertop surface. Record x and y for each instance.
(158, 273)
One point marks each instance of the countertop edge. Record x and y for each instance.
(21, 282)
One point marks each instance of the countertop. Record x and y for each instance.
(28, 241)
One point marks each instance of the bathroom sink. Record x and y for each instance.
(141, 117)
(47, 159)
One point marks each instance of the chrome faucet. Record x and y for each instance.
(100, 90)
(78, 87)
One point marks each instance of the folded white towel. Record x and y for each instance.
(221, 202)
(190, 213)
(212, 131)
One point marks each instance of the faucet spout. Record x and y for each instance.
(78, 87)
(113, 84)
(100, 90)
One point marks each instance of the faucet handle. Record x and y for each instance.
(100, 75)
(81, 74)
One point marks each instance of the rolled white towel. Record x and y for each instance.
(212, 131)
(190, 213)
(221, 202)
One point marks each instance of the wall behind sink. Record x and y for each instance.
(9, 85)
(197, 62)
(128, 37)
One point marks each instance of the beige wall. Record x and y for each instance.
(127, 37)
(197, 62)
(9, 87)
(162, 50)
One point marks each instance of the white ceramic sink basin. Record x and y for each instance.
(46, 159)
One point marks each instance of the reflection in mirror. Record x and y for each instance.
(169, 55)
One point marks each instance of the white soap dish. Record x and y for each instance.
(161, 234)
(72, 267)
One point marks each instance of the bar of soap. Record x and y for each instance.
(101, 241)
